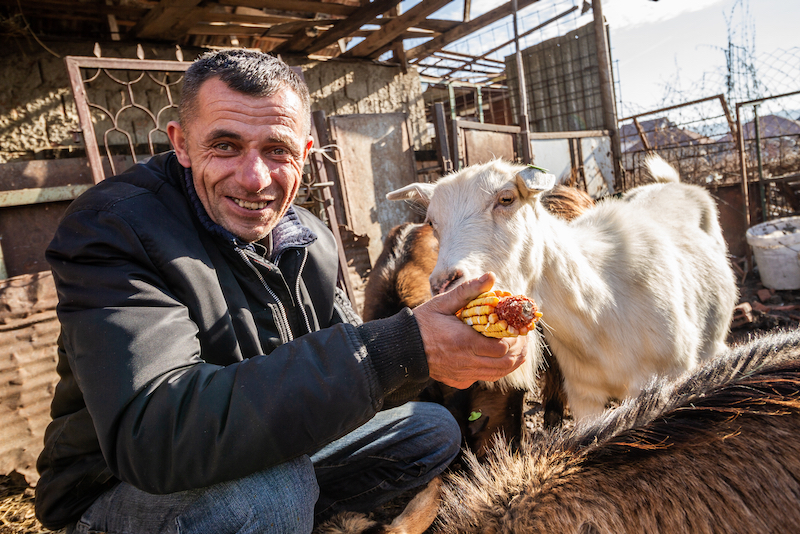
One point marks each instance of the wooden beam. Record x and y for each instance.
(483, 57)
(426, 49)
(211, 15)
(159, 21)
(38, 195)
(371, 46)
(60, 9)
(303, 6)
(438, 25)
(345, 27)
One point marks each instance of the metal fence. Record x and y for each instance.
(697, 137)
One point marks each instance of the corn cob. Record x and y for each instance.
(499, 314)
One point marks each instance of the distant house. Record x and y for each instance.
(770, 126)
(660, 133)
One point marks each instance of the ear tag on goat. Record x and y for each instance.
(537, 178)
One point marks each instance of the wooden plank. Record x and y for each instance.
(288, 29)
(163, 17)
(56, 8)
(438, 25)
(568, 135)
(345, 27)
(303, 6)
(369, 46)
(38, 195)
(212, 15)
(472, 125)
(226, 31)
(426, 49)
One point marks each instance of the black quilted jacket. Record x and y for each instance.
(187, 358)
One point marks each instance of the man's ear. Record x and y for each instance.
(178, 139)
(309, 144)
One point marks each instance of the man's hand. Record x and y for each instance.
(458, 355)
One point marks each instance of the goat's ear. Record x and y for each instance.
(420, 193)
(534, 180)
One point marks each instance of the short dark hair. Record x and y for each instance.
(250, 72)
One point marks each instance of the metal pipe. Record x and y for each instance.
(523, 93)
(761, 188)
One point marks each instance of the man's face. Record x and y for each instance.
(246, 154)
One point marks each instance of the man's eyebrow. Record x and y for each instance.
(220, 133)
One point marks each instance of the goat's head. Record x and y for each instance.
(480, 216)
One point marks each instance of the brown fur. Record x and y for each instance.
(417, 516)
(714, 451)
(400, 275)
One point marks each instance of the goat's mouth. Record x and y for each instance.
(452, 280)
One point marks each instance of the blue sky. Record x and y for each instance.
(666, 51)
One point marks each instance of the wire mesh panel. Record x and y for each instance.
(770, 134)
(562, 78)
(697, 138)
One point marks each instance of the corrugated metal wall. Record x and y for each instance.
(28, 333)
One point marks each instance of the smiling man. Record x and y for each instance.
(213, 377)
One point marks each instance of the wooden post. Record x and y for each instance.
(607, 89)
(442, 149)
(328, 172)
(524, 133)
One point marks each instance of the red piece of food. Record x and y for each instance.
(518, 311)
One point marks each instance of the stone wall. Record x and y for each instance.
(38, 118)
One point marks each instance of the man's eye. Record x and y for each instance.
(223, 147)
(282, 152)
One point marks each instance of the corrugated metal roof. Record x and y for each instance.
(28, 334)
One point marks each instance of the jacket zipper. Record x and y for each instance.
(283, 318)
(300, 305)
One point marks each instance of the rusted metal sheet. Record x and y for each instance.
(376, 157)
(482, 146)
(34, 197)
(28, 334)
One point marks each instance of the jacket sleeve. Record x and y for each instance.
(167, 420)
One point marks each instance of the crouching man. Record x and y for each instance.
(213, 378)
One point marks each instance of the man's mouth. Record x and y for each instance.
(250, 205)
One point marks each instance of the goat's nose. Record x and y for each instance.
(445, 282)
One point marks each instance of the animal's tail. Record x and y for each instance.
(660, 170)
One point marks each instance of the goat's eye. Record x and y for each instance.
(506, 198)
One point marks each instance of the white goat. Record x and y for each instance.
(634, 287)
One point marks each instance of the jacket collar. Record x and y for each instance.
(288, 233)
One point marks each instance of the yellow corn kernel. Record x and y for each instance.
(481, 314)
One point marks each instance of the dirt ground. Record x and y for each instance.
(760, 310)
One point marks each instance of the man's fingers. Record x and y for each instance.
(452, 301)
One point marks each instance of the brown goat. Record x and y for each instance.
(713, 451)
(400, 275)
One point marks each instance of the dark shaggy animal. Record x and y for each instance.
(713, 451)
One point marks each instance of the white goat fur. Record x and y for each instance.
(634, 287)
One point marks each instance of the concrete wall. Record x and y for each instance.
(342, 87)
(38, 118)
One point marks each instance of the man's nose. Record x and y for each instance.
(254, 172)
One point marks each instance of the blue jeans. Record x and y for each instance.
(397, 450)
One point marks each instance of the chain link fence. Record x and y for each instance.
(699, 136)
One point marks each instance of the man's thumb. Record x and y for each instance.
(470, 289)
